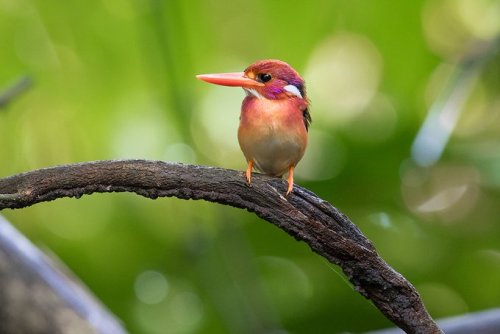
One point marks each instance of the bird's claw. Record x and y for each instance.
(290, 181)
(248, 173)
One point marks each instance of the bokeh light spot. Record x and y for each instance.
(451, 25)
(443, 199)
(343, 76)
(151, 287)
(181, 313)
(481, 17)
(446, 192)
(382, 219)
(141, 130)
(216, 126)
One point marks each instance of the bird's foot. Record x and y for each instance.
(290, 180)
(248, 173)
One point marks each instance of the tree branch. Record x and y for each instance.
(302, 214)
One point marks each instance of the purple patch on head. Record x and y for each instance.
(274, 91)
(281, 71)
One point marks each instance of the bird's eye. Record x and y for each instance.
(264, 77)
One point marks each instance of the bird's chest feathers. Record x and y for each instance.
(272, 133)
(270, 117)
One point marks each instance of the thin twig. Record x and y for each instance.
(445, 111)
(17, 88)
(302, 214)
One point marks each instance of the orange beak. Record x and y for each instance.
(236, 79)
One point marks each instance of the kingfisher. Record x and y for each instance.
(274, 119)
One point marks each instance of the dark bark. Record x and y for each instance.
(302, 214)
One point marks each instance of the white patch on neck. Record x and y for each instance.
(253, 92)
(293, 89)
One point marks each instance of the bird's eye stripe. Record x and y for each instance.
(293, 90)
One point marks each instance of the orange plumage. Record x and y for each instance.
(274, 116)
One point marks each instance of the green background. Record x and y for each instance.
(116, 79)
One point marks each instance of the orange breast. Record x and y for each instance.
(272, 133)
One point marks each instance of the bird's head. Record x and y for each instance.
(271, 79)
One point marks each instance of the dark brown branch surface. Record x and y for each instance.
(302, 215)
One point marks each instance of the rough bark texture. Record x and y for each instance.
(302, 215)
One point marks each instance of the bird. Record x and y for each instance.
(274, 118)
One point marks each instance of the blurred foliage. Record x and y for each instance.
(115, 79)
